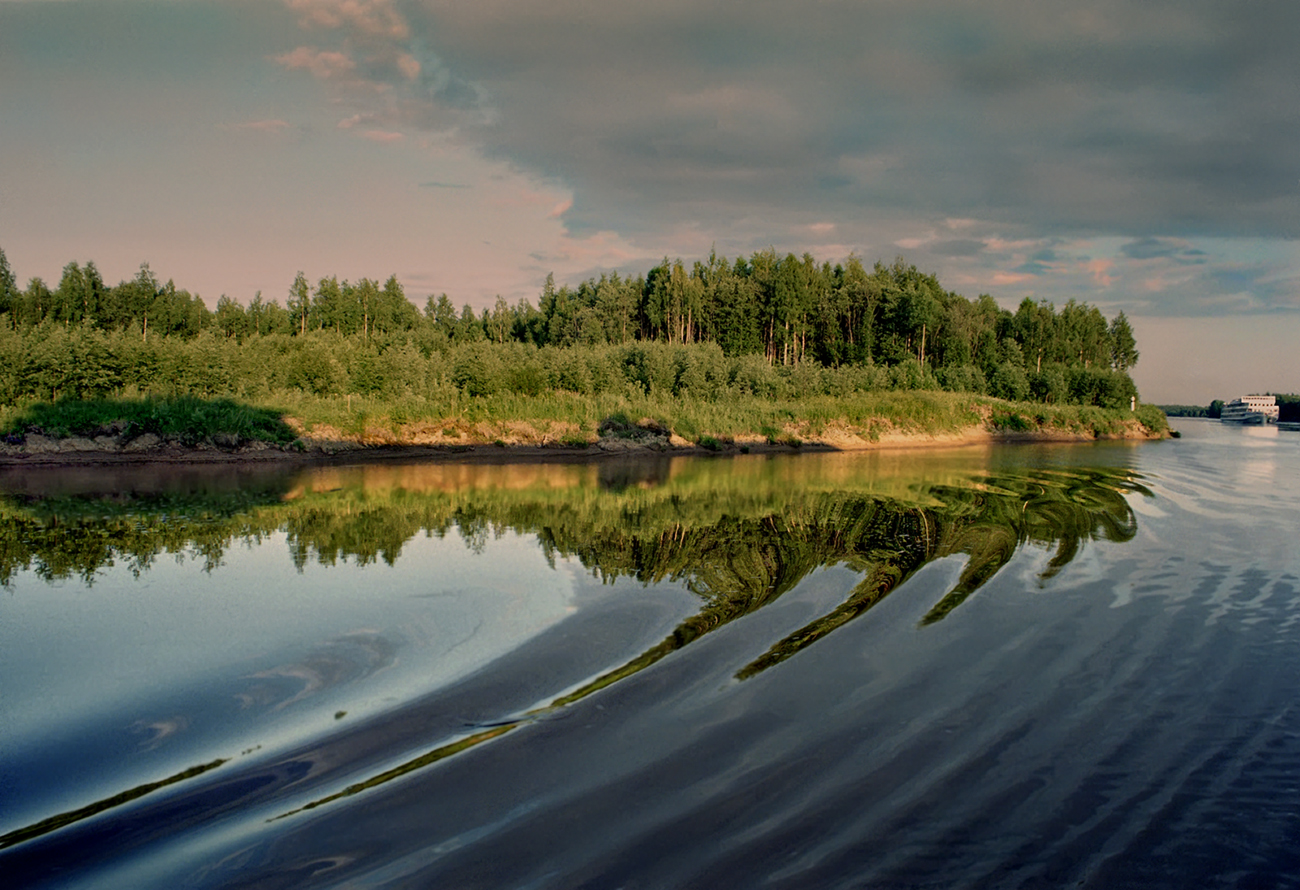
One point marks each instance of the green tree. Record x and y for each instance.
(35, 303)
(300, 302)
(469, 329)
(500, 320)
(393, 312)
(265, 318)
(442, 312)
(1035, 330)
(9, 297)
(1123, 345)
(331, 308)
(231, 319)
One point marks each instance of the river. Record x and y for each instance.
(1000, 666)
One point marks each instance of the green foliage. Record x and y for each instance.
(1123, 346)
(186, 418)
(1184, 410)
(1152, 418)
(769, 326)
(1011, 421)
(1009, 382)
(1288, 407)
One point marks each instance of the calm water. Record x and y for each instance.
(1011, 667)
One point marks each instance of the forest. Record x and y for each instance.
(763, 325)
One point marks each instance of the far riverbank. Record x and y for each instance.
(195, 431)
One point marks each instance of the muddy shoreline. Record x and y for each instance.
(74, 452)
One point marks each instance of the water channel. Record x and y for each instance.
(1002, 666)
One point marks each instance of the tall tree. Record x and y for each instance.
(8, 291)
(300, 302)
(1123, 345)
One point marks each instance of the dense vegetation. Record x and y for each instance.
(766, 326)
(1191, 410)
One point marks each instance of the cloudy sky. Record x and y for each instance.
(1142, 157)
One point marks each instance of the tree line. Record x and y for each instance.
(1288, 408)
(792, 311)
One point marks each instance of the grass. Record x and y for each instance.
(569, 418)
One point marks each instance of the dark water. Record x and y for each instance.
(1010, 667)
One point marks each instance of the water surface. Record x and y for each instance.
(1003, 667)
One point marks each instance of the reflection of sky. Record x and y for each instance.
(265, 640)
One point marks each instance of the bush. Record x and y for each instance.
(1049, 385)
(962, 378)
(313, 369)
(1012, 421)
(1009, 382)
(910, 374)
(1152, 418)
(753, 375)
(476, 370)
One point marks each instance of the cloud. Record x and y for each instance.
(324, 64)
(373, 17)
(382, 136)
(1162, 248)
(958, 247)
(973, 137)
(409, 65)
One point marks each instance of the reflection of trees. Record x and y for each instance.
(738, 547)
(738, 565)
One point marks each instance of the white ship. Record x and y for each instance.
(1256, 410)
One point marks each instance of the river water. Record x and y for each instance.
(1011, 666)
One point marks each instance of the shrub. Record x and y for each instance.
(1009, 382)
(1152, 418)
(313, 369)
(962, 378)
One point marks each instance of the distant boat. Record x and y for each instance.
(1252, 410)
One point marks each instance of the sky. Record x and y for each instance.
(1140, 157)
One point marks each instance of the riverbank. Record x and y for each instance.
(94, 434)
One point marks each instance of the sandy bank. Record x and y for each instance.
(324, 445)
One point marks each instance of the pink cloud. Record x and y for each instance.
(408, 65)
(1004, 278)
(1100, 270)
(377, 17)
(1004, 245)
(321, 63)
(382, 136)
